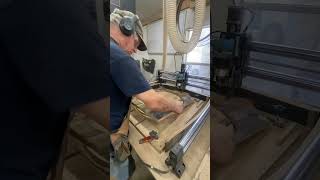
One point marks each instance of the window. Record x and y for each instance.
(198, 60)
(201, 53)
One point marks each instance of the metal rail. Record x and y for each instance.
(198, 77)
(284, 78)
(176, 154)
(195, 128)
(285, 51)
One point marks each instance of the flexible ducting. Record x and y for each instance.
(177, 41)
(165, 37)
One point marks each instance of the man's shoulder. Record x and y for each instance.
(114, 47)
(118, 55)
(116, 51)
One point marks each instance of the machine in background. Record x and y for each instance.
(276, 77)
(230, 53)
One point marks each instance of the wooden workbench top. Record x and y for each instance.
(196, 159)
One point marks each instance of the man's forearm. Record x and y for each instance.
(157, 102)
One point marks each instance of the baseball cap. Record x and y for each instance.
(118, 14)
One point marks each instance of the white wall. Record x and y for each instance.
(156, 52)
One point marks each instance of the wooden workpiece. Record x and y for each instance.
(170, 125)
(197, 158)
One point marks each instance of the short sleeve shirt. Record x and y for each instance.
(127, 80)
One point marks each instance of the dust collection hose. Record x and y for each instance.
(176, 39)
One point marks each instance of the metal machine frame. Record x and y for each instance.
(180, 80)
(176, 153)
(302, 159)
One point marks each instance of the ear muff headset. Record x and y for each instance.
(127, 25)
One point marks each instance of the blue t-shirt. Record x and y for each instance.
(126, 81)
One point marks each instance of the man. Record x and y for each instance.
(127, 80)
(52, 62)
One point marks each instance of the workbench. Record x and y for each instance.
(196, 159)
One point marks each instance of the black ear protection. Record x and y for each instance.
(127, 25)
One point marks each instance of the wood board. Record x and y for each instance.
(196, 159)
(203, 171)
(170, 126)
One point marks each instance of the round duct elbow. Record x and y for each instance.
(176, 39)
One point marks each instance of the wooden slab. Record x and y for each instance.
(169, 94)
(135, 121)
(182, 121)
(203, 171)
(198, 149)
(169, 126)
(145, 151)
(193, 159)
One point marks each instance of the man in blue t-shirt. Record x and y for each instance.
(126, 36)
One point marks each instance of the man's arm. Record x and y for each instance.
(98, 111)
(157, 102)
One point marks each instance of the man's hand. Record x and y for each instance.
(179, 107)
(157, 102)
